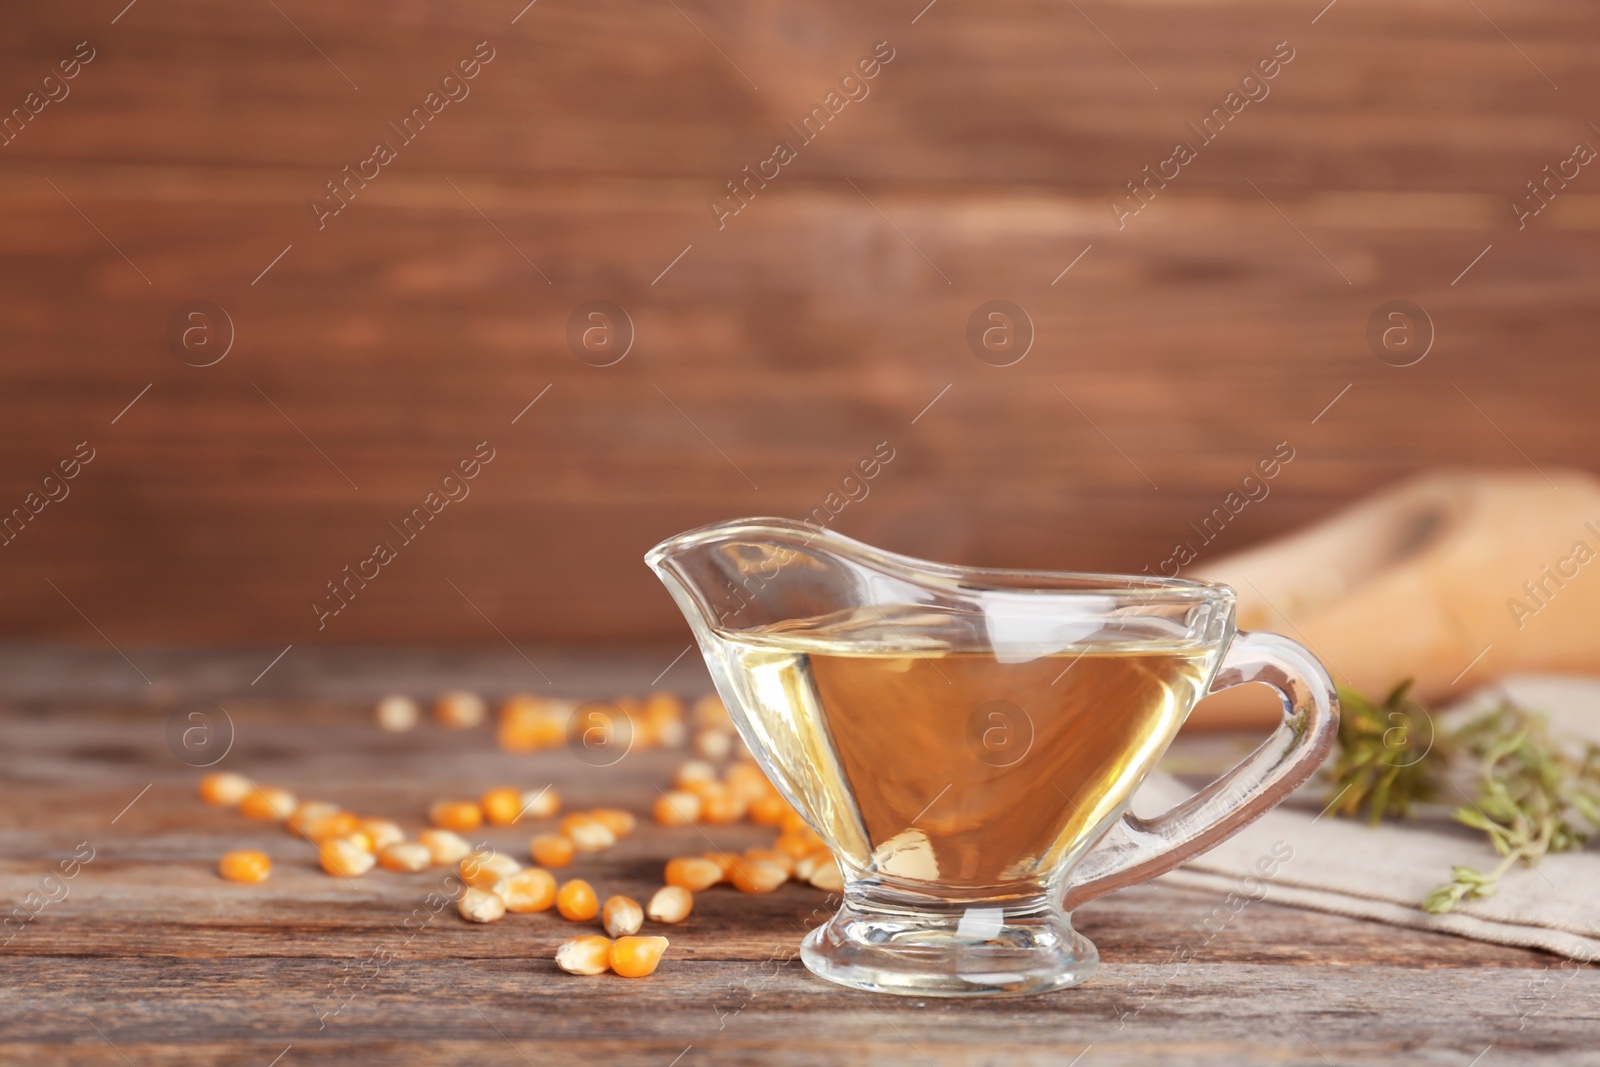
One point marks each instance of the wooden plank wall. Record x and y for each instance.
(372, 354)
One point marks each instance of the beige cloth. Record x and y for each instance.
(1346, 867)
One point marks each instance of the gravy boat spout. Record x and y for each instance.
(966, 741)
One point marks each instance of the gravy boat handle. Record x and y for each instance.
(1136, 849)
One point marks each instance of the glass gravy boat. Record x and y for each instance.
(967, 741)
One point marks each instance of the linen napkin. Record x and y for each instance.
(1296, 856)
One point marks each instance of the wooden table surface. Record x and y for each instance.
(150, 958)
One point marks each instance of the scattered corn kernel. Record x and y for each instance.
(585, 955)
(796, 845)
(774, 856)
(267, 802)
(397, 713)
(636, 957)
(502, 806)
(338, 824)
(482, 868)
(747, 779)
(530, 889)
(622, 916)
(309, 811)
(768, 810)
(619, 822)
(551, 850)
(710, 711)
(714, 745)
(757, 876)
(694, 770)
(382, 831)
(541, 803)
(677, 808)
(577, 901)
(586, 833)
(528, 723)
(408, 856)
(806, 865)
(722, 806)
(827, 876)
(480, 906)
(671, 904)
(723, 861)
(693, 874)
(246, 865)
(445, 846)
(455, 815)
(459, 710)
(224, 788)
(345, 858)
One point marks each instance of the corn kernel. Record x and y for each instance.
(382, 831)
(619, 822)
(309, 811)
(671, 904)
(361, 839)
(458, 815)
(636, 957)
(587, 834)
(224, 788)
(747, 780)
(245, 865)
(480, 906)
(797, 846)
(397, 713)
(622, 916)
(339, 824)
(774, 856)
(407, 856)
(693, 874)
(723, 861)
(459, 710)
(693, 770)
(757, 876)
(502, 806)
(482, 868)
(541, 803)
(827, 876)
(551, 850)
(445, 846)
(267, 802)
(343, 857)
(676, 808)
(710, 711)
(530, 889)
(577, 901)
(722, 806)
(806, 865)
(793, 823)
(714, 745)
(585, 955)
(768, 810)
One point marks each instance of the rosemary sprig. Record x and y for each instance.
(1533, 794)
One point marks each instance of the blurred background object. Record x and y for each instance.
(266, 347)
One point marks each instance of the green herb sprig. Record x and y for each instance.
(1533, 794)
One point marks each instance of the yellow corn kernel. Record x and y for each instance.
(757, 876)
(457, 815)
(309, 811)
(796, 845)
(339, 824)
(746, 779)
(224, 788)
(671, 904)
(577, 901)
(480, 906)
(530, 889)
(382, 831)
(245, 865)
(714, 745)
(585, 955)
(541, 803)
(397, 713)
(676, 808)
(693, 770)
(723, 861)
(774, 856)
(636, 957)
(622, 916)
(693, 874)
(793, 823)
(587, 834)
(459, 710)
(482, 868)
(267, 802)
(410, 856)
(361, 839)
(827, 876)
(722, 806)
(445, 846)
(768, 810)
(501, 806)
(663, 719)
(619, 822)
(806, 865)
(551, 850)
(710, 711)
(343, 857)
